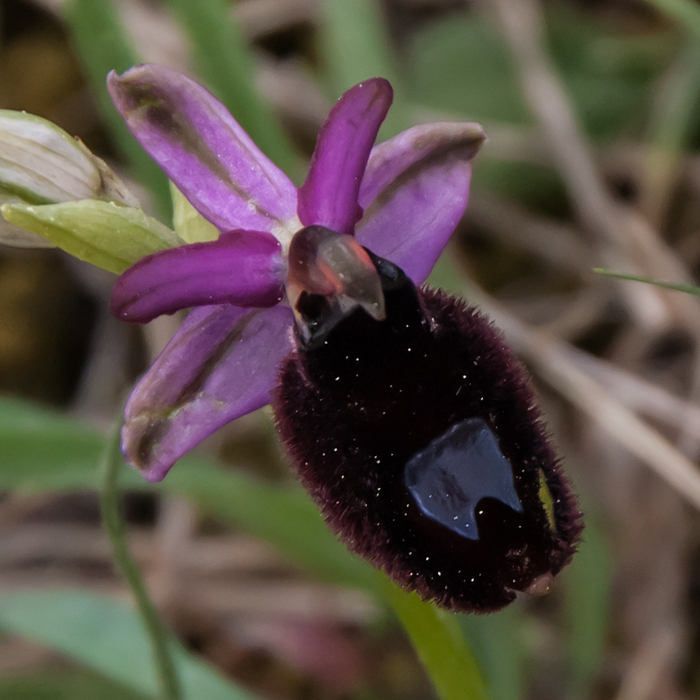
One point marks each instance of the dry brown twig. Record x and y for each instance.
(552, 361)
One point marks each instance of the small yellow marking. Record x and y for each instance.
(547, 501)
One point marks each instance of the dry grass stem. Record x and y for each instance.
(554, 242)
(625, 239)
(552, 362)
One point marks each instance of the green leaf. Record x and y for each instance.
(103, 45)
(108, 637)
(44, 450)
(106, 234)
(440, 645)
(608, 74)
(66, 684)
(226, 64)
(282, 516)
(460, 65)
(355, 42)
(587, 587)
(497, 642)
(356, 45)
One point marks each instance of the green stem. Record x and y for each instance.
(440, 645)
(166, 671)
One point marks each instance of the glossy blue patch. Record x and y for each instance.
(455, 471)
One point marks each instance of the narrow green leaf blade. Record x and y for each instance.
(108, 637)
(226, 64)
(103, 45)
(356, 45)
(282, 516)
(673, 286)
(497, 643)
(63, 684)
(43, 450)
(587, 589)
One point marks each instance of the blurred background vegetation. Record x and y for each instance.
(592, 108)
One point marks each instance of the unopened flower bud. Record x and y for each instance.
(55, 192)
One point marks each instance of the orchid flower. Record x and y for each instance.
(222, 363)
(406, 416)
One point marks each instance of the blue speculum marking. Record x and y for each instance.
(455, 471)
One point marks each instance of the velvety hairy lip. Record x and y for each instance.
(382, 417)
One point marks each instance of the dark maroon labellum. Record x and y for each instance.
(418, 437)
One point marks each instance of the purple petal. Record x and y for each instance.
(329, 195)
(202, 149)
(221, 364)
(414, 193)
(243, 268)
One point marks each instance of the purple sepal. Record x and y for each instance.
(202, 149)
(414, 192)
(220, 364)
(329, 195)
(243, 268)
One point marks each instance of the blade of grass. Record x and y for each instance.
(497, 641)
(356, 46)
(226, 63)
(586, 583)
(103, 45)
(674, 286)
